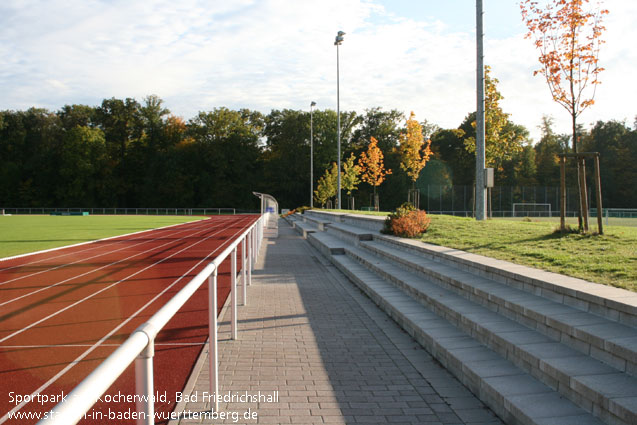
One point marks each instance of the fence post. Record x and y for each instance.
(233, 292)
(144, 385)
(213, 355)
(244, 283)
(249, 238)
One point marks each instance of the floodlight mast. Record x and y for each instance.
(481, 199)
(337, 42)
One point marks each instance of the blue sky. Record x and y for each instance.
(271, 54)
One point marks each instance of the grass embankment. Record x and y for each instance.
(610, 259)
(20, 234)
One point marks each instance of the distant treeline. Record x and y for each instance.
(124, 153)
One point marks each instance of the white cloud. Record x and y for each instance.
(267, 54)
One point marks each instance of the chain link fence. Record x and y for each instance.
(516, 201)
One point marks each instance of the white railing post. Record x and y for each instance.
(255, 248)
(243, 271)
(144, 385)
(249, 238)
(213, 355)
(233, 293)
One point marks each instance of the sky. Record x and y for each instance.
(410, 55)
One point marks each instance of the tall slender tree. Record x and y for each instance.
(350, 178)
(373, 168)
(567, 34)
(502, 142)
(414, 151)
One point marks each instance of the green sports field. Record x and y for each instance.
(20, 234)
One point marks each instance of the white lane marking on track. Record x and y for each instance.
(19, 331)
(104, 338)
(102, 267)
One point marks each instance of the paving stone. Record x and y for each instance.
(310, 334)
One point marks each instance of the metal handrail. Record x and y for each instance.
(139, 347)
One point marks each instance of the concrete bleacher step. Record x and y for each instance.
(327, 244)
(603, 339)
(350, 233)
(587, 382)
(514, 395)
(513, 339)
(613, 303)
(316, 221)
(304, 228)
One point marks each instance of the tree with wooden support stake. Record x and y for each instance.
(568, 36)
(373, 169)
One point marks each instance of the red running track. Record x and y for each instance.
(64, 311)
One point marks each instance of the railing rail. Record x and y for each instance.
(139, 347)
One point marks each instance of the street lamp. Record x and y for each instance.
(312, 105)
(337, 42)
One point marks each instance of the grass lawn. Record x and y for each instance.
(610, 259)
(20, 234)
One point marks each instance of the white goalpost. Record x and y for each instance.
(527, 209)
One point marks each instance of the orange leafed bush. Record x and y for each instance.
(407, 222)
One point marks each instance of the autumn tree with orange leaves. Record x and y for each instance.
(414, 154)
(372, 167)
(414, 151)
(567, 34)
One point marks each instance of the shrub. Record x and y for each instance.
(407, 222)
(299, 210)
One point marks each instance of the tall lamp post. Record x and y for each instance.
(337, 42)
(481, 199)
(312, 105)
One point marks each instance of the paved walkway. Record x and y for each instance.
(312, 349)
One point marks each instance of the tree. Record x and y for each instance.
(448, 147)
(414, 151)
(81, 165)
(617, 145)
(547, 161)
(568, 36)
(326, 186)
(224, 167)
(372, 167)
(349, 177)
(383, 125)
(502, 141)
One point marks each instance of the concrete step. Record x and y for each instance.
(303, 228)
(369, 222)
(613, 303)
(327, 244)
(509, 391)
(349, 233)
(608, 341)
(558, 366)
(315, 221)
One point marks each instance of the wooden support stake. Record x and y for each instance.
(562, 194)
(598, 188)
(583, 194)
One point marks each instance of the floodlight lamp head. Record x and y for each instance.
(312, 104)
(339, 38)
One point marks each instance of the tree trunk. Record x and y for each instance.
(574, 117)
